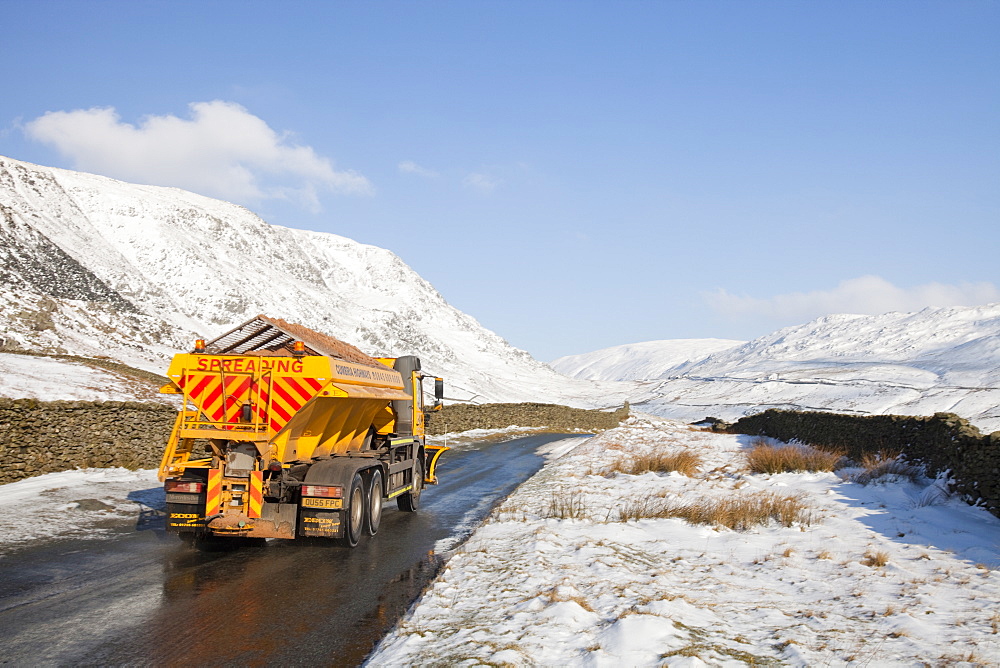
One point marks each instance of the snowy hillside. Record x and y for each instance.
(52, 379)
(640, 361)
(94, 266)
(942, 359)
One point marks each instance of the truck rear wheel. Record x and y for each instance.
(411, 500)
(354, 513)
(374, 502)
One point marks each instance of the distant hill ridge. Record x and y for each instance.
(937, 359)
(640, 361)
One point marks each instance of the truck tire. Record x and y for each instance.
(355, 512)
(374, 503)
(411, 500)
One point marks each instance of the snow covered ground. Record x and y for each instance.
(54, 379)
(892, 573)
(80, 504)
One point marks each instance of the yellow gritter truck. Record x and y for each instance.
(305, 436)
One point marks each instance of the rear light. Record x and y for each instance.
(323, 490)
(184, 486)
(274, 466)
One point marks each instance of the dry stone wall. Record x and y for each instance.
(47, 436)
(943, 443)
(44, 437)
(460, 417)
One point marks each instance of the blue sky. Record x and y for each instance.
(575, 175)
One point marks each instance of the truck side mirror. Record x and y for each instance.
(438, 392)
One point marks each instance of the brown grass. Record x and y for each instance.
(875, 559)
(884, 464)
(555, 596)
(739, 513)
(767, 458)
(685, 462)
(565, 506)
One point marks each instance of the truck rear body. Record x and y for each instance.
(291, 424)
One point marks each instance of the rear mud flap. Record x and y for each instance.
(277, 520)
(185, 517)
(319, 523)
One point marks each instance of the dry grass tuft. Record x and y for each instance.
(739, 513)
(825, 554)
(565, 506)
(685, 462)
(875, 559)
(885, 464)
(560, 594)
(767, 458)
(969, 657)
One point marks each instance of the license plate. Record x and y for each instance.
(310, 502)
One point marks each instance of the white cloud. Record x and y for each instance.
(482, 183)
(867, 295)
(222, 151)
(410, 167)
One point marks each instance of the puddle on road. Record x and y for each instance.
(393, 603)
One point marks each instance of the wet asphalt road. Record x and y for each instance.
(142, 598)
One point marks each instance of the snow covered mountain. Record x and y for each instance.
(93, 266)
(640, 361)
(938, 359)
